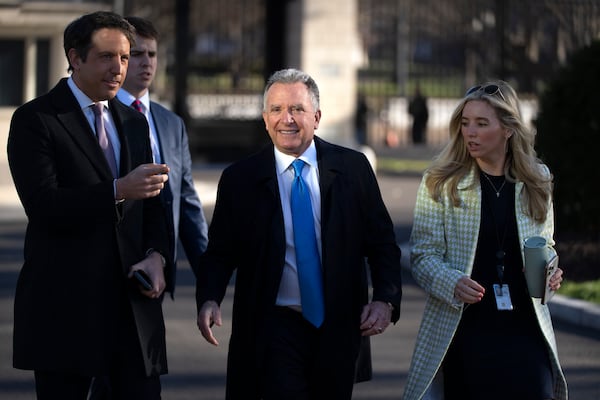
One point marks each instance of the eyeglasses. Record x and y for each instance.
(487, 89)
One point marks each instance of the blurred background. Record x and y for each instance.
(369, 57)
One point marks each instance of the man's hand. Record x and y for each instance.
(375, 318)
(209, 314)
(152, 265)
(145, 181)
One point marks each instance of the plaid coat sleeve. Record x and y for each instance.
(443, 243)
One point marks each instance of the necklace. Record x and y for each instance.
(492, 183)
(500, 219)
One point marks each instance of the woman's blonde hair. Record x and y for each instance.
(522, 164)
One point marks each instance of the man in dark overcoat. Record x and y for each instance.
(275, 351)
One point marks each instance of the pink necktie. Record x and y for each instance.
(103, 139)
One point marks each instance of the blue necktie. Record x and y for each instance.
(308, 262)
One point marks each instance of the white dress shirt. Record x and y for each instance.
(127, 98)
(109, 125)
(289, 289)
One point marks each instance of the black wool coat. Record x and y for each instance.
(79, 244)
(247, 236)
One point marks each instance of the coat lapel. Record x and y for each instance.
(162, 131)
(265, 171)
(265, 182)
(328, 167)
(76, 125)
(121, 120)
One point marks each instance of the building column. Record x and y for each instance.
(29, 64)
(322, 40)
(58, 60)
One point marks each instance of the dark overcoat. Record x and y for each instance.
(247, 236)
(79, 243)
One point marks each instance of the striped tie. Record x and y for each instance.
(137, 104)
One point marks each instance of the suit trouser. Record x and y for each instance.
(291, 362)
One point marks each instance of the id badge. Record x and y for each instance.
(502, 297)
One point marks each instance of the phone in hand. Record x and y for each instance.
(143, 279)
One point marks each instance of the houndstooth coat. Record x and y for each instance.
(443, 244)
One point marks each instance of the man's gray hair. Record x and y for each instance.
(289, 76)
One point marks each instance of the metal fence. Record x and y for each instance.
(446, 47)
(440, 47)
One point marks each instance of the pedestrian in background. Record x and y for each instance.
(287, 341)
(169, 139)
(361, 120)
(417, 108)
(482, 334)
(82, 166)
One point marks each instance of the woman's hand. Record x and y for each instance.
(468, 291)
(556, 279)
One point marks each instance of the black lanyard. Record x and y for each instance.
(500, 253)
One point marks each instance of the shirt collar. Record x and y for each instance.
(283, 161)
(83, 100)
(127, 98)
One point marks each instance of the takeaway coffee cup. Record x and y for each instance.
(536, 258)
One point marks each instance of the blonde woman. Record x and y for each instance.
(482, 335)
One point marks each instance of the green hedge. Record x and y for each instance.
(589, 291)
(568, 140)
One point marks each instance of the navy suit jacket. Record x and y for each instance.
(185, 217)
